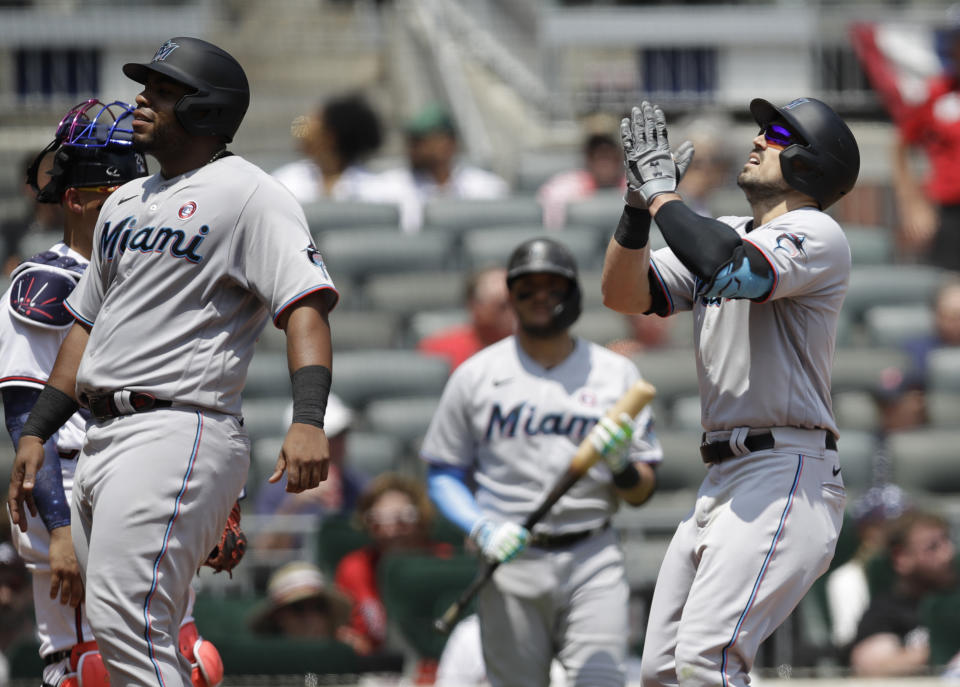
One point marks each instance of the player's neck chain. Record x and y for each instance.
(223, 152)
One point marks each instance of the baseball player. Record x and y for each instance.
(510, 420)
(185, 267)
(765, 292)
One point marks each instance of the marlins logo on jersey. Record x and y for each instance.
(792, 244)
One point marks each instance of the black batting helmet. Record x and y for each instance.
(826, 164)
(543, 255)
(221, 93)
(93, 147)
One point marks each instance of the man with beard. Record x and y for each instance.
(892, 640)
(187, 266)
(509, 421)
(765, 292)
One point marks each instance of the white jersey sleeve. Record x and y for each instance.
(807, 250)
(676, 281)
(272, 247)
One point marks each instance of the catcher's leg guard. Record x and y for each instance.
(205, 662)
(88, 667)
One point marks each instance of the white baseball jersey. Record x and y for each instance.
(769, 366)
(516, 425)
(33, 324)
(182, 275)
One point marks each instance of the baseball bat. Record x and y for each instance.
(631, 403)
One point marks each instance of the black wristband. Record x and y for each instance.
(633, 231)
(628, 478)
(311, 387)
(51, 411)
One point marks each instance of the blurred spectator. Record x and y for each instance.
(337, 494)
(647, 332)
(946, 326)
(433, 169)
(602, 169)
(901, 399)
(891, 640)
(16, 609)
(37, 218)
(336, 140)
(712, 165)
(930, 216)
(301, 604)
(848, 593)
(396, 513)
(491, 319)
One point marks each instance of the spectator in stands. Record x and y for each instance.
(339, 493)
(602, 169)
(396, 513)
(902, 401)
(647, 332)
(491, 319)
(891, 640)
(712, 165)
(36, 218)
(930, 212)
(301, 604)
(848, 592)
(946, 326)
(434, 169)
(336, 140)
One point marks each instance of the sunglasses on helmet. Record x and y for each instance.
(779, 136)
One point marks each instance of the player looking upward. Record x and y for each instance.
(766, 293)
(187, 266)
(510, 419)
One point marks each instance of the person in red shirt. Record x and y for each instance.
(397, 514)
(491, 319)
(930, 216)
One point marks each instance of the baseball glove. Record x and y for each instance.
(226, 555)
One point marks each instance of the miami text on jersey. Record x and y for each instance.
(574, 426)
(150, 240)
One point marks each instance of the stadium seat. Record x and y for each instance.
(536, 166)
(871, 285)
(859, 369)
(406, 294)
(351, 330)
(33, 243)
(268, 375)
(266, 417)
(869, 245)
(682, 468)
(684, 413)
(337, 536)
(943, 369)
(892, 325)
(429, 322)
(856, 410)
(456, 215)
(485, 246)
(600, 211)
(601, 326)
(941, 615)
(857, 449)
(363, 376)
(672, 371)
(943, 408)
(403, 417)
(360, 254)
(416, 589)
(925, 460)
(333, 215)
(371, 453)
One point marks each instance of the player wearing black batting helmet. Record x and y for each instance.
(542, 255)
(826, 162)
(221, 93)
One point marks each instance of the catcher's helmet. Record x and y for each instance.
(826, 164)
(543, 255)
(93, 146)
(221, 96)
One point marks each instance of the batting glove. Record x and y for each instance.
(499, 542)
(612, 438)
(651, 167)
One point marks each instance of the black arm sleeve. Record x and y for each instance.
(702, 244)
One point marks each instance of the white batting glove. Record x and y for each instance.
(612, 438)
(651, 167)
(499, 542)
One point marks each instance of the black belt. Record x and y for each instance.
(68, 455)
(717, 451)
(562, 541)
(56, 657)
(118, 403)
